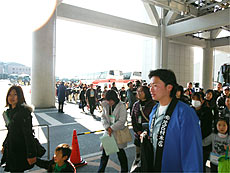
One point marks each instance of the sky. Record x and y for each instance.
(80, 47)
(91, 48)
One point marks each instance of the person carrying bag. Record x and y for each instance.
(114, 116)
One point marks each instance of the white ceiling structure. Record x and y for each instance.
(192, 22)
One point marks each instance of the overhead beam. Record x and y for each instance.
(77, 14)
(225, 49)
(175, 6)
(210, 21)
(213, 5)
(152, 13)
(218, 42)
(171, 16)
(191, 1)
(215, 33)
(188, 40)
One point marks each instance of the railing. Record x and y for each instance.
(37, 134)
(48, 136)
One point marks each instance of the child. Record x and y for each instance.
(60, 162)
(219, 140)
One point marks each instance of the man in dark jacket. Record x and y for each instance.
(91, 98)
(131, 96)
(218, 91)
(60, 162)
(123, 95)
(221, 100)
(114, 87)
(61, 97)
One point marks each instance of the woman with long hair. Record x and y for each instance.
(19, 150)
(139, 115)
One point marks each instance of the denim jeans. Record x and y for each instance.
(121, 157)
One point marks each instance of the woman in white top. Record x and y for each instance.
(114, 117)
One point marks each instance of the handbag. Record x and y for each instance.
(40, 150)
(123, 136)
(80, 105)
(224, 163)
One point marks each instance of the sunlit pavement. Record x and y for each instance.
(61, 126)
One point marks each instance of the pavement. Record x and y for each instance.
(53, 128)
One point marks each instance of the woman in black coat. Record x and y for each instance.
(83, 103)
(139, 115)
(211, 103)
(18, 147)
(205, 116)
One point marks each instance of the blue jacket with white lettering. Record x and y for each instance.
(182, 150)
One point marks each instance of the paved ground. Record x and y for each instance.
(61, 128)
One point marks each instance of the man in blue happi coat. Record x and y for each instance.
(174, 129)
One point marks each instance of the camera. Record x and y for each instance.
(197, 87)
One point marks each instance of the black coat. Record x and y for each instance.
(50, 164)
(82, 95)
(19, 143)
(221, 102)
(92, 99)
(206, 118)
(147, 109)
(61, 93)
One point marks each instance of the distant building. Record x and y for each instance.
(1, 67)
(3, 74)
(16, 68)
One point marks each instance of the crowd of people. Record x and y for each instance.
(176, 129)
(91, 96)
(206, 110)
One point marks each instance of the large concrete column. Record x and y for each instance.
(207, 80)
(43, 65)
(158, 53)
(161, 58)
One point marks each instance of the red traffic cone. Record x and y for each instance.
(75, 157)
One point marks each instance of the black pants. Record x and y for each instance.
(121, 157)
(83, 104)
(92, 105)
(60, 106)
(214, 168)
(206, 155)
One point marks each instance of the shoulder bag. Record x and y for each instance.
(123, 136)
(39, 148)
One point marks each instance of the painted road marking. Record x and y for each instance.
(49, 119)
(38, 130)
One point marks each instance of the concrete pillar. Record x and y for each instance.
(148, 58)
(158, 53)
(161, 58)
(164, 48)
(43, 65)
(207, 80)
